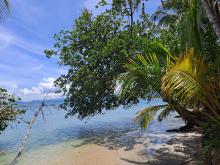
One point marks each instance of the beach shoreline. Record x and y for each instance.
(180, 148)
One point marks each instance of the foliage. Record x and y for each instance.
(189, 26)
(212, 135)
(9, 110)
(212, 9)
(97, 47)
(184, 82)
(95, 51)
(142, 77)
(188, 82)
(145, 116)
(211, 143)
(186, 69)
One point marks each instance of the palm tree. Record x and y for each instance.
(169, 12)
(143, 79)
(4, 9)
(211, 7)
(186, 17)
(189, 89)
(189, 82)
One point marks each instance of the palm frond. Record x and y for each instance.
(193, 15)
(169, 57)
(145, 116)
(188, 82)
(185, 80)
(143, 75)
(165, 112)
(164, 18)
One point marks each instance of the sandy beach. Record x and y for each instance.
(178, 149)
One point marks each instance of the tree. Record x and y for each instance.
(9, 110)
(184, 17)
(183, 25)
(95, 51)
(141, 72)
(189, 82)
(143, 77)
(129, 7)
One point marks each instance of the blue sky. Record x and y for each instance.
(24, 70)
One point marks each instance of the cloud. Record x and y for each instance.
(37, 68)
(47, 83)
(8, 38)
(4, 40)
(15, 86)
(44, 87)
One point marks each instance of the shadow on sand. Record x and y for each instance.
(163, 149)
(111, 137)
(184, 148)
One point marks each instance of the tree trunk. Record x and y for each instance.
(212, 16)
(192, 119)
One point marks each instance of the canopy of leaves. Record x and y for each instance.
(97, 47)
(184, 24)
(8, 108)
(95, 50)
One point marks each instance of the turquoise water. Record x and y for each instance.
(56, 134)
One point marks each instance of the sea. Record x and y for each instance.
(53, 134)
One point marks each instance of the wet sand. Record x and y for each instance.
(179, 148)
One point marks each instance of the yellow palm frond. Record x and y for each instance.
(186, 78)
(188, 82)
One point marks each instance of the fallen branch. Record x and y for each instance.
(21, 149)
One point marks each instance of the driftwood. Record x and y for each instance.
(28, 133)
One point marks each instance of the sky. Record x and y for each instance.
(24, 69)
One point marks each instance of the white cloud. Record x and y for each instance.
(47, 83)
(45, 87)
(14, 86)
(37, 68)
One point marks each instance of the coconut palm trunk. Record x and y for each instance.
(213, 14)
(192, 118)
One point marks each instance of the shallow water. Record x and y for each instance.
(56, 134)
